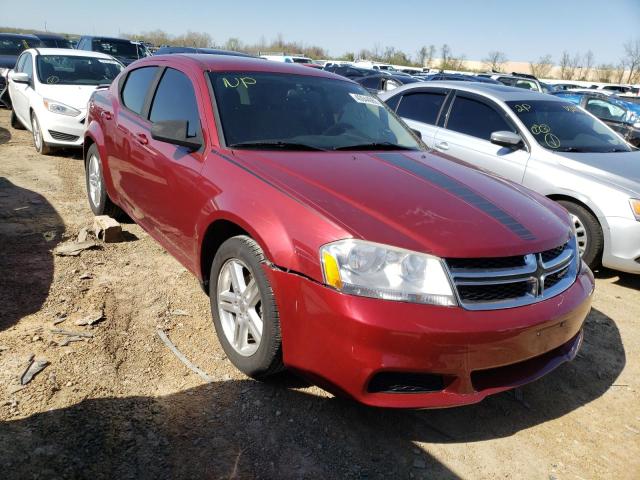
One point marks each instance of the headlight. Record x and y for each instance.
(635, 206)
(373, 270)
(60, 108)
(4, 72)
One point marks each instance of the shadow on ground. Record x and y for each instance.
(628, 280)
(29, 228)
(5, 135)
(247, 429)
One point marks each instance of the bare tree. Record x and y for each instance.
(566, 69)
(445, 56)
(632, 58)
(542, 67)
(425, 55)
(618, 74)
(589, 61)
(575, 66)
(604, 72)
(233, 44)
(495, 61)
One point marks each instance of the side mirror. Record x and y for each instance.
(417, 133)
(175, 132)
(19, 77)
(507, 139)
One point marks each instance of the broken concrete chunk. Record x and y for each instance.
(32, 370)
(107, 229)
(90, 319)
(73, 249)
(66, 341)
(179, 313)
(83, 235)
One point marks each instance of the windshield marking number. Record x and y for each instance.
(551, 140)
(570, 108)
(245, 81)
(538, 129)
(523, 107)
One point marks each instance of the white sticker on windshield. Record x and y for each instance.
(365, 99)
(104, 60)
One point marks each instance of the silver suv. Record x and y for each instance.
(542, 142)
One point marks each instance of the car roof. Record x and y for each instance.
(111, 39)
(49, 36)
(69, 52)
(495, 92)
(208, 51)
(222, 63)
(19, 35)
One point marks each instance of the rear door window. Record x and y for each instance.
(136, 87)
(605, 110)
(175, 99)
(476, 118)
(421, 107)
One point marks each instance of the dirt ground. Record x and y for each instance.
(119, 404)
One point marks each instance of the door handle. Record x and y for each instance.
(142, 138)
(442, 146)
(106, 115)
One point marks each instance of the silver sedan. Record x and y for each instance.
(544, 143)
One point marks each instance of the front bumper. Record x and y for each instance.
(343, 342)
(622, 245)
(62, 130)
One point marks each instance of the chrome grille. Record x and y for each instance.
(505, 282)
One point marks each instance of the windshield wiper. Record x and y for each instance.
(571, 149)
(375, 146)
(277, 146)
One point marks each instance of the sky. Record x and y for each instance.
(523, 30)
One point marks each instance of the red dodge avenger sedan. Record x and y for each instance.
(329, 240)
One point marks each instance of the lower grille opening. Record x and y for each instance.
(65, 137)
(521, 372)
(402, 382)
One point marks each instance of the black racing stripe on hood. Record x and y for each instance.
(459, 189)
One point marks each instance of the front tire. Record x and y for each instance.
(38, 141)
(15, 122)
(589, 233)
(99, 200)
(244, 310)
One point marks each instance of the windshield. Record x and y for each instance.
(271, 110)
(75, 70)
(13, 46)
(119, 48)
(56, 43)
(564, 127)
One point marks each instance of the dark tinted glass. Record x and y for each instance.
(563, 127)
(392, 102)
(421, 107)
(176, 100)
(27, 67)
(136, 87)
(303, 111)
(370, 82)
(476, 119)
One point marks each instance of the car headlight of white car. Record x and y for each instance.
(635, 206)
(60, 108)
(368, 269)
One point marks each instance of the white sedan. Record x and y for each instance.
(50, 89)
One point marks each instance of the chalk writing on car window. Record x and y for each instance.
(551, 140)
(523, 107)
(235, 82)
(538, 129)
(570, 108)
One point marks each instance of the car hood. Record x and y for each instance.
(621, 169)
(8, 61)
(415, 200)
(76, 96)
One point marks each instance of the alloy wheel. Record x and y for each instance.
(240, 307)
(37, 135)
(581, 233)
(95, 180)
